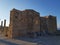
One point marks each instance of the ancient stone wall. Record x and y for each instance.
(22, 22)
(29, 22)
(51, 24)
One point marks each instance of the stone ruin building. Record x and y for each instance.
(29, 23)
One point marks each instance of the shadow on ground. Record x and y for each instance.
(7, 42)
(27, 39)
(45, 40)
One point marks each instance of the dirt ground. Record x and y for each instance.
(42, 40)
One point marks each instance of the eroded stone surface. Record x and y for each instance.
(29, 23)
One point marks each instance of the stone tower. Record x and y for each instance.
(23, 23)
(51, 24)
(48, 24)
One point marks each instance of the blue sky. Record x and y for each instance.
(44, 7)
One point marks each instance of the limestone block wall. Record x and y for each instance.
(43, 24)
(36, 24)
(33, 21)
(22, 22)
(51, 24)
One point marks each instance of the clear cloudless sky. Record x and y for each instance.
(44, 7)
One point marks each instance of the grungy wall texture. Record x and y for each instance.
(29, 22)
(22, 22)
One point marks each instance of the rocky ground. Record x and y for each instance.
(42, 40)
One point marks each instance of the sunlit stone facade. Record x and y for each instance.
(29, 23)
